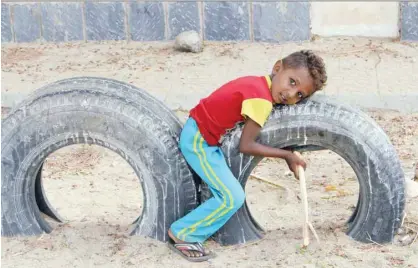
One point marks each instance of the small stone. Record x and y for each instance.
(411, 188)
(401, 231)
(189, 41)
(416, 172)
(315, 213)
(406, 240)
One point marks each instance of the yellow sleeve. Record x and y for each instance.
(257, 109)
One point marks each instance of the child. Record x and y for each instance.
(248, 99)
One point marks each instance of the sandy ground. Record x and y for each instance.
(99, 196)
(361, 71)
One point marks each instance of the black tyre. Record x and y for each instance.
(321, 122)
(98, 111)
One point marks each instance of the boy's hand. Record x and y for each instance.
(293, 161)
(248, 145)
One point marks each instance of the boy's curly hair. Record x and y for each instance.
(308, 59)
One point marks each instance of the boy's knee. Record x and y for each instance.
(238, 197)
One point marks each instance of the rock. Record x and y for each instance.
(189, 41)
(411, 188)
(406, 240)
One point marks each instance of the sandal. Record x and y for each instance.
(180, 247)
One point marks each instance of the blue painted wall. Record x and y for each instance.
(261, 21)
(409, 21)
(61, 22)
(6, 29)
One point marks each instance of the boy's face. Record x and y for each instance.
(289, 86)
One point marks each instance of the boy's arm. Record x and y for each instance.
(248, 145)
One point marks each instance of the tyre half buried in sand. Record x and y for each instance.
(97, 111)
(323, 123)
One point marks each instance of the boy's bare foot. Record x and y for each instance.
(191, 251)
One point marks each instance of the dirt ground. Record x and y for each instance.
(99, 196)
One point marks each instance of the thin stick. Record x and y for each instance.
(253, 176)
(313, 231)
(411, 229)
(413, 241)
(403, 219)
(304, 196)
(371, 240)
(290, 193)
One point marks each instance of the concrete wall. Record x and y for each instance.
(378, 19)
(154, 21)
(263, 21)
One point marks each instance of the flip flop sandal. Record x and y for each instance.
(197, 247)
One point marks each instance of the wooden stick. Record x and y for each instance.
(300, 175)
(290, 194)
(256, 177)
(304, 196)
(314, 232)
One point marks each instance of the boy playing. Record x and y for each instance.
(248, 99)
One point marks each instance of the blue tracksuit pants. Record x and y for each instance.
(228, 196)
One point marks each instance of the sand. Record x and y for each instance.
(98, 195)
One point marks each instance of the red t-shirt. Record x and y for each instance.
(248, 96)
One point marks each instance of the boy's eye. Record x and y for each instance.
(300, 95)
(292, 82)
